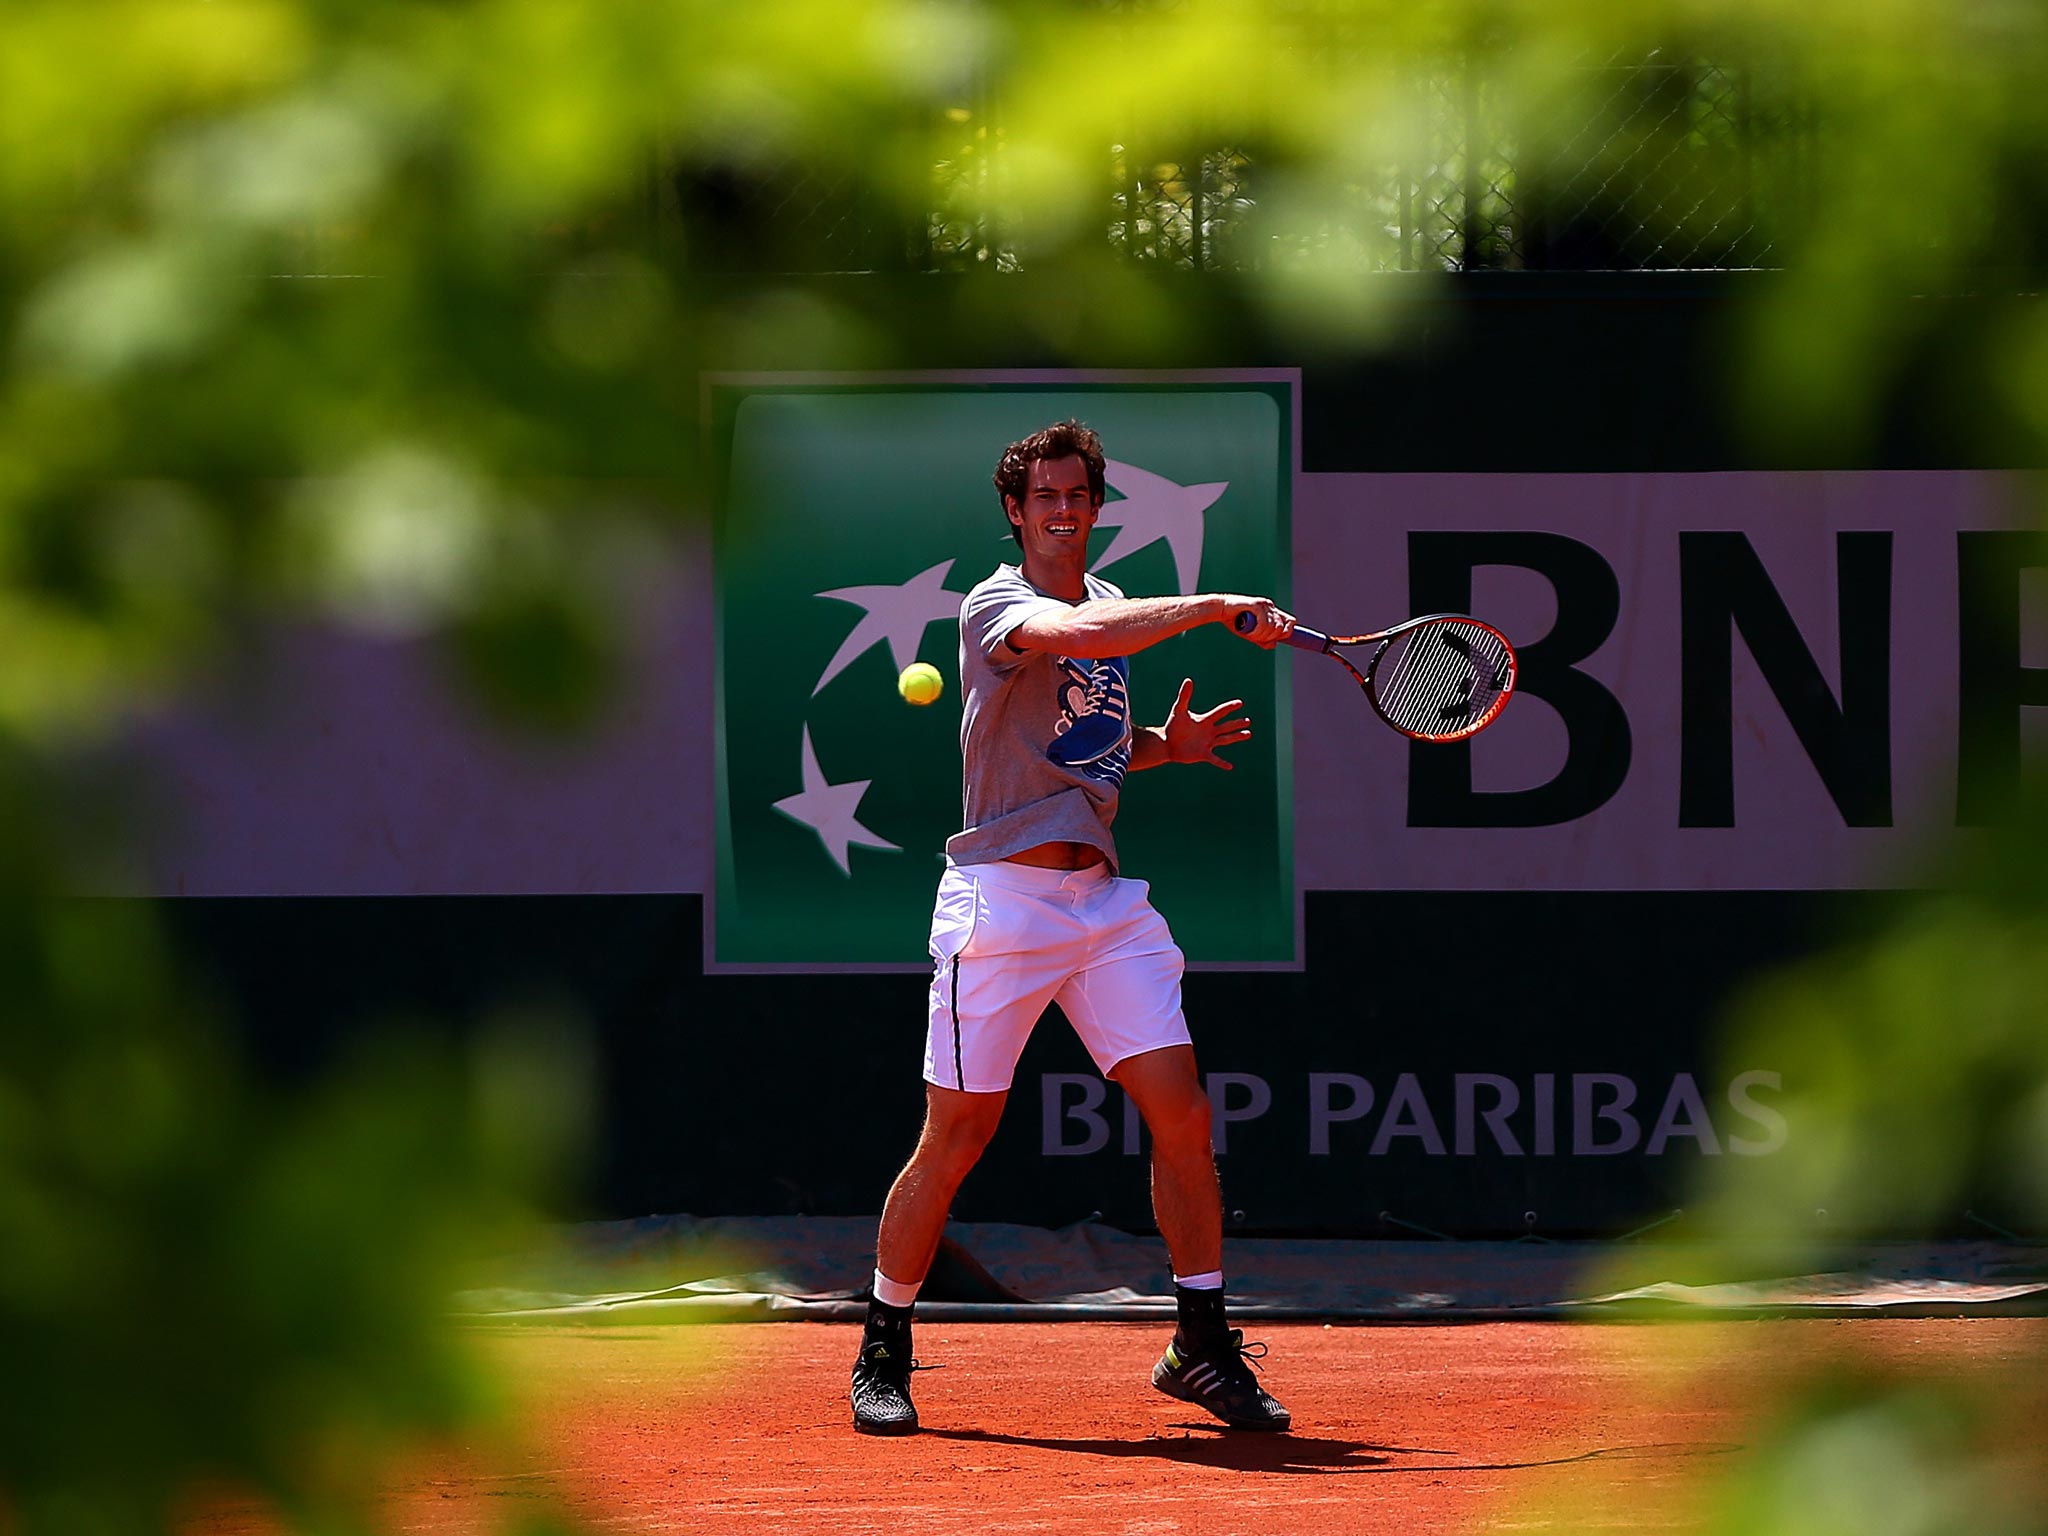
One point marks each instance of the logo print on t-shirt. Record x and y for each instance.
(1093, 732)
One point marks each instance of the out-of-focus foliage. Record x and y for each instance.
(212, 1288)
(1864, 1450)
(1916, 1069)
(313, 307)
(298, 296)
(1921, 1078)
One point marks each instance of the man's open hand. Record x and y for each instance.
(1195, 738)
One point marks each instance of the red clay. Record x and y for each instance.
(1056, 1430)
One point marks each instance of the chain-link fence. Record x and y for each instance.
(1661, 162)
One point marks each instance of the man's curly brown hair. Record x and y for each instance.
(1062, 440)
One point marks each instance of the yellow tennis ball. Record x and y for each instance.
(920, 683)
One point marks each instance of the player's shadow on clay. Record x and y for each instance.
(1208, 1446)
(1199, 1445)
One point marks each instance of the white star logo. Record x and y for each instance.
(828, 810)
(1156, 508)
(896, 614)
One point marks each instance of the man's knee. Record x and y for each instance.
(956, 1134)
(1180, 1120)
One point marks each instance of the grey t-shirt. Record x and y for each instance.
(1044, 739)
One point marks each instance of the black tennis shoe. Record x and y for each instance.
(881, 1387)
(1221, 1380)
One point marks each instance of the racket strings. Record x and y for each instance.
(1444, 681)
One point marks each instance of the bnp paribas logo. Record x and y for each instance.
(1152, 508)
(854, 521)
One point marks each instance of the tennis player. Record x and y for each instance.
(1031, 910)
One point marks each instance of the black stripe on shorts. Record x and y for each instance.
(959, 1073)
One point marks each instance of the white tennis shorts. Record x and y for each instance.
(1009, 938)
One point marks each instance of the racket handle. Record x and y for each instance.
(1302, 636)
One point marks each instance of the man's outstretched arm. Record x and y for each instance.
(1117, 626)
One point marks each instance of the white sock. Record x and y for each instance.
(893, 1293)
(1211, 1280)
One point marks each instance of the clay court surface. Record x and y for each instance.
(1055, 1429)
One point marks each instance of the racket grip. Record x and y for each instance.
(1301, 636)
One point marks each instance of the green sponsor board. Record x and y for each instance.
(853, 520)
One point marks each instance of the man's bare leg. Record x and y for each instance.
(1206, 1362)
(957, 1127)
(1186, 1199)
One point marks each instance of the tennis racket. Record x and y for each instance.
(1442, 677)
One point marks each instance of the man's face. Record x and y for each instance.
(1057, 510)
